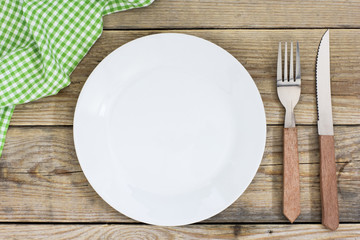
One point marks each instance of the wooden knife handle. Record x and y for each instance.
(291, 197)
(328, 184)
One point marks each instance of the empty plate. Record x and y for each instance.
(169, 129)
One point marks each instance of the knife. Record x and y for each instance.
(328, 182)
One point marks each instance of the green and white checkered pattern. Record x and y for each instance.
(41, 42)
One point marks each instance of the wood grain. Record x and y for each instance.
(194, 232)
(256, 50)
(291, 176)
(41, 180)
(239, 14)
(328, 183)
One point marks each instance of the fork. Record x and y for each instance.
(288, 90)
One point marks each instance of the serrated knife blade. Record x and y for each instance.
(328, 180)
(323, 89)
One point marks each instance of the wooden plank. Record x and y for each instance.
(115, 231)
(41, 180)
(239, 14)
(256, 50)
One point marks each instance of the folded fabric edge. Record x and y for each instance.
(5, 116)
(114, 6)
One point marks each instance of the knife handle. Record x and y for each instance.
(291, 178)
(328, 184)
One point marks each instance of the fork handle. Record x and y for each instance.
(291, 178)
(328, 185)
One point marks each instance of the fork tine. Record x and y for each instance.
(291, 71)
(298, 71)
(279, 70)
(285, 64)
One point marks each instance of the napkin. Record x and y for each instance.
(41, 42)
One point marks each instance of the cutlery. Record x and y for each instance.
(328, 185)
(288, 90)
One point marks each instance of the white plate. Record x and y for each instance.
(169, 129)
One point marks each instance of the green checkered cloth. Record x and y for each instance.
(41, 42)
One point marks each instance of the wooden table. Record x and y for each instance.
(44, 192)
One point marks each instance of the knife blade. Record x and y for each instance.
(323, 89)
(328, 182)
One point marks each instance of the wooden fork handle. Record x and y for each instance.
(328, 184)
(291, 178)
